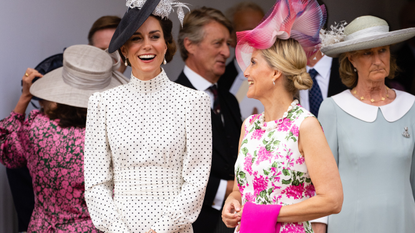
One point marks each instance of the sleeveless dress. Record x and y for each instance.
(270, 169)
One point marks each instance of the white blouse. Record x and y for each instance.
(148, 148)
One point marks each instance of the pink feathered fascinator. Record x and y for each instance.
(297, 19)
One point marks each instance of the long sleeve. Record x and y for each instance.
(99, 171)
(196, 168)
(13, 140)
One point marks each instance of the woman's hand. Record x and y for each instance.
(232, 212)
(25, 97)
(27, 81)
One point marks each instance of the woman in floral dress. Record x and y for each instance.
(50, 142)
(285, 173)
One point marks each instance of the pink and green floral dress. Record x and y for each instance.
(55, 159)
(270, 169)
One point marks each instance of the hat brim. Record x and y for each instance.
(51, 87)
(387, 38)
(130, 23)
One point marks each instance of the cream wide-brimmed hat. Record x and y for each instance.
(367, 32)
(86, 70)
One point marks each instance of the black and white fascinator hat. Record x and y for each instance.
(137, 13)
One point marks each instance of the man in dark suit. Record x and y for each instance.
(244, 16)
(327, 79)
(203, 42)
(324, 71)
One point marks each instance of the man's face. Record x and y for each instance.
(102, 38)
(245, 20)
(211, 53)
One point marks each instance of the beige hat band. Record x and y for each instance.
(94, 81)
(371, 31)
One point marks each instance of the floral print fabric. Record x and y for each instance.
(270, 169)
(54, 157)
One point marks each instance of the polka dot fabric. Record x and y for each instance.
(147, 156)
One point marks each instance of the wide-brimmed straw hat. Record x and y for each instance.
(86, 70)
(297, 19)
(366, 32)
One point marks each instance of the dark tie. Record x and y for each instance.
(314, 94)
(216, 104)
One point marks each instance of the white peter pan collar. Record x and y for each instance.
(366, 112)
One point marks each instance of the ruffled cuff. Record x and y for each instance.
(9, 124)
(260, 218)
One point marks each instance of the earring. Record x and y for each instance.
(125, 62)
(273, 82)
(355, 70)
(164, 62)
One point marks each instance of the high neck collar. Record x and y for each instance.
(153, 85)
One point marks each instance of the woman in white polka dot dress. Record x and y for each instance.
(148, 143)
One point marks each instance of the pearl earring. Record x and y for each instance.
(164, 62)
(125, 62)
(273, 82)
(355, 70)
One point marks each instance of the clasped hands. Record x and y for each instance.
(232, 213)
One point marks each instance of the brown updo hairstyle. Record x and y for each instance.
(346, 70)
(69, 116)
(167, 26)
(288, 57)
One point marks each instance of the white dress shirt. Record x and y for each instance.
(202, 84)
(323, 67)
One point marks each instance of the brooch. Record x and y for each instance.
(406, 133)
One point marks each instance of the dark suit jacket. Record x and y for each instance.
(335, 84)
(225, 151)
(227, 79)
(405, 60)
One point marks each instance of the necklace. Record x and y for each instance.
(354, 91)
(267, 126)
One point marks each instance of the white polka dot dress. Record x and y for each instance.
(148, 148)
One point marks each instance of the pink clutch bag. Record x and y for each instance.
(260, 218)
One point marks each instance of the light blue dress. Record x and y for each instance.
(375, 156)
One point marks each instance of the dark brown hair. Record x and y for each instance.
(104, 22)
(167, 26)
(68, 116)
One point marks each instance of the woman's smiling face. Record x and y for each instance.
(145, 50)
(260, 76)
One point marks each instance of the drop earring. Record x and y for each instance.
(125, 62)
(164, 62)
(355, 70)
(273, 82)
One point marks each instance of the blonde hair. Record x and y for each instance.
(288, 57)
